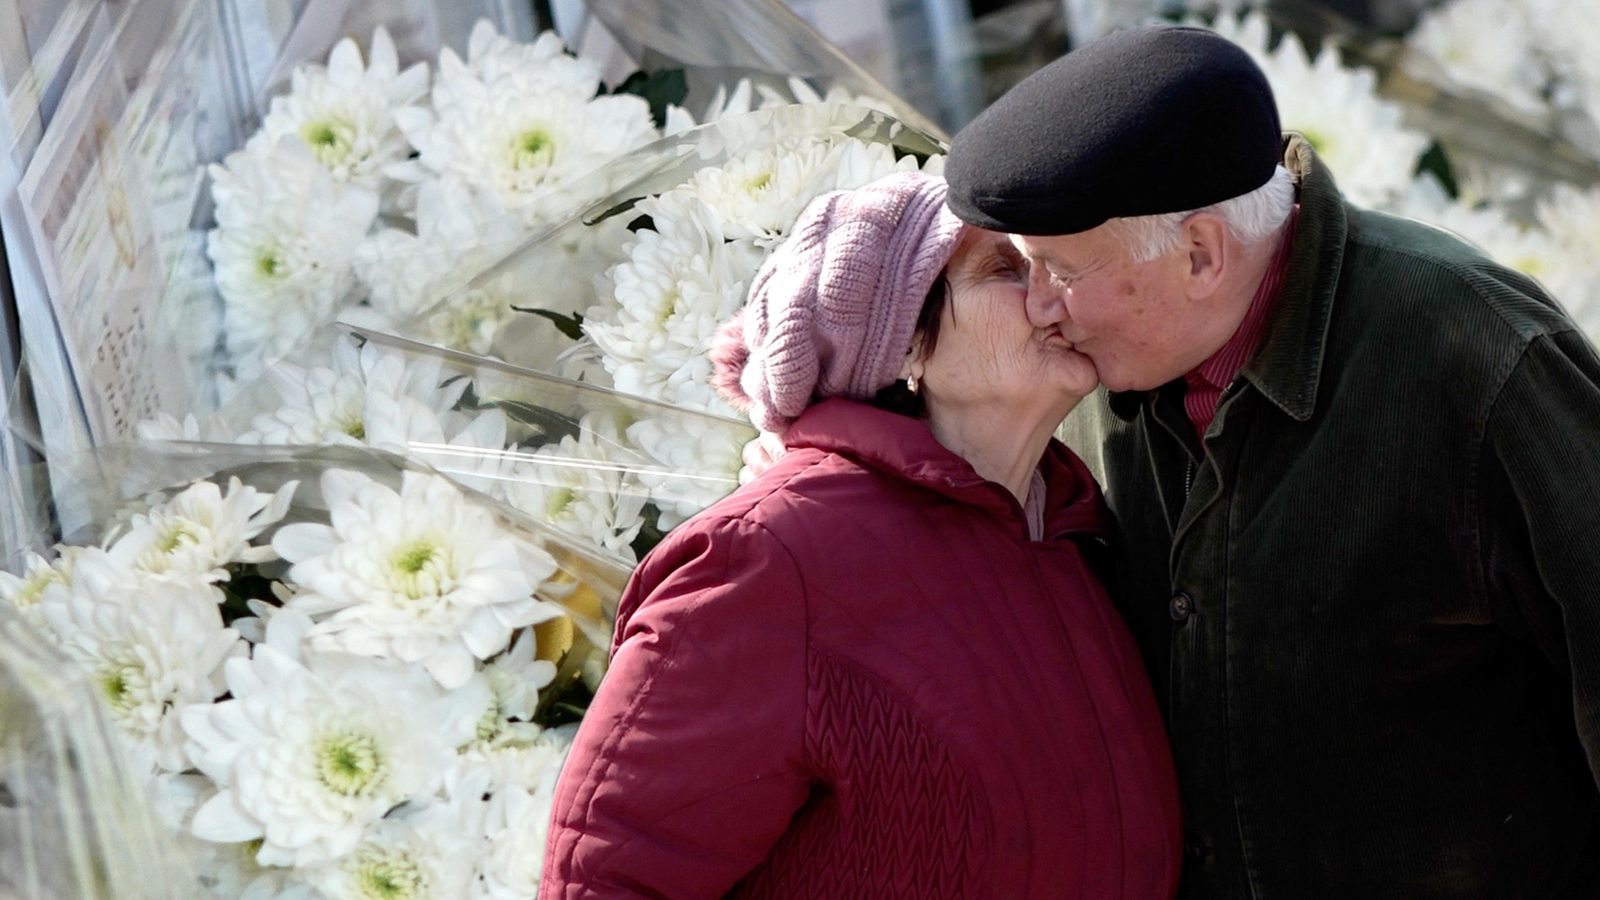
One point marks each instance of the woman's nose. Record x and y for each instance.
(1046, 302)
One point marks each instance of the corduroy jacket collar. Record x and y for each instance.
(1288, 368)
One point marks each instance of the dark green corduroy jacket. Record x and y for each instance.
(1371, 602)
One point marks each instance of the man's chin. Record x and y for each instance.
(1117, 382)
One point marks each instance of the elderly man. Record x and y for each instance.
(1356, 468)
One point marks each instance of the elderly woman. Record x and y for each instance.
(883, 668)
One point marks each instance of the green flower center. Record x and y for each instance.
(669, 309)
(533, 149)
(29, 592)
(492, 723)
(179, 534)
(330, 140)
(388, 875)
(759, 183)
(414, 559)
(423, 569)
(557, 501)
(354, 427)
(120, 681)
(351, 764)
(269, 262)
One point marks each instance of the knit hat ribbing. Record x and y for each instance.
(831, 313)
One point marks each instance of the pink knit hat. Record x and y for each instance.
(832, 311)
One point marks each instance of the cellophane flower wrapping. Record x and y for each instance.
(369, 186)
(334, 671)
(75, 823)
(377, 192)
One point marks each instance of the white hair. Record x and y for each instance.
(1248, 217)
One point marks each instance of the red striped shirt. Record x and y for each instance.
(1207, 381)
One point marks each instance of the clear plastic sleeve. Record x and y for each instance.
(75, 823)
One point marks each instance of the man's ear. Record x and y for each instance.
(1206, 237)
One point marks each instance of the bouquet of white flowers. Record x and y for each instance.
(687, 222)
(376, 193)
(370, 185)
(344, 675)
(606, 469)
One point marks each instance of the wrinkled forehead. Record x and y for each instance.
(979, 246)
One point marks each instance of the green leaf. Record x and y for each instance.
(552, 425)
(562, 702)
(617, 210)
(245, 583)
(1435, 161)
(660, 89)
(649, 534)
(571, 326)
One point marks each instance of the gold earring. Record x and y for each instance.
(911, 384)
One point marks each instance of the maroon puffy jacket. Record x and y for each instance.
(857, 677)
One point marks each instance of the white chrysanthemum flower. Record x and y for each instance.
(422, 576)
(1572, 45)
(678, 285)
(286, 233)
(1571, 217)
(518, 757)
(491, 55)
(1356, 133)
(371, 396)
(723, 104)
(519, 124)
(1485, 226)
(515, 678)
(345, 112)
(151, 647)
(576, 487)
(25, 592)
(1562, 251)
(699, 465)
(201, 530)
(522, 755)
(225, 871)
(309, 753)
(165, 427)
(857, 163)
(758, 195)
(802, 91)
(423, 854)
(746, 97)
(232, 872)
(1486, 45)
(459, 234)
(517, 817)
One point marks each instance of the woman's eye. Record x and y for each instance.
(1010, 269)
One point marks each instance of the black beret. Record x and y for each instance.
(1158, 119)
